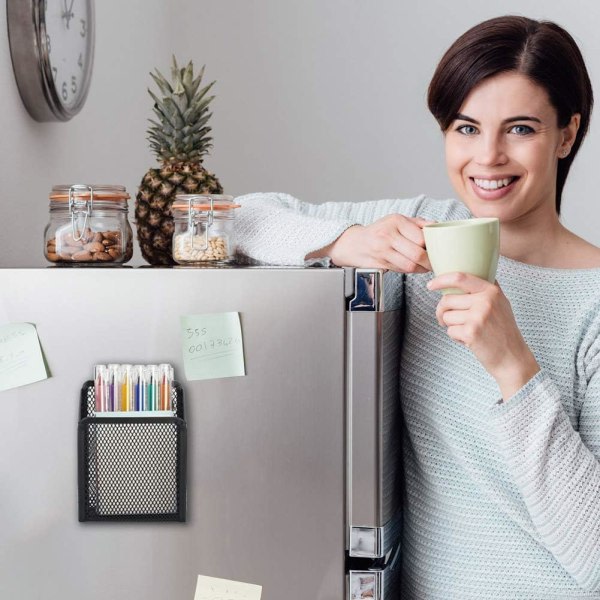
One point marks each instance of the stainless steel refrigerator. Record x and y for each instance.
(293, 471)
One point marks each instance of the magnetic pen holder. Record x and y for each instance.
(131, 468)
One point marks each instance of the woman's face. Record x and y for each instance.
(502, 150)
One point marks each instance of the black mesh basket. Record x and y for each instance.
(131, 468)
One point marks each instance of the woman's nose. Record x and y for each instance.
(490, 151)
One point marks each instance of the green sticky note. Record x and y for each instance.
(21, 359)
(212, 346)
(213, 588)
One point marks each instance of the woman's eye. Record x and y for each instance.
(467, 129)
(521, 129)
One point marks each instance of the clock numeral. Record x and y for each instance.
(80, 61)
(54, 73)
(65, 92)
(74, 84)
(83, 31)
(48, 44)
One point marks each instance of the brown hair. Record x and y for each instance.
(540, 50)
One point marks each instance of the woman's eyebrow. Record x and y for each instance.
(461, 117)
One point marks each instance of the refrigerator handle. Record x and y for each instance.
(377, 583)
(367, 292)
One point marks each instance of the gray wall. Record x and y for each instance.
(321, 99)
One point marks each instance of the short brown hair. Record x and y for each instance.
(540, 50)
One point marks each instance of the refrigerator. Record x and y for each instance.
(293, 471)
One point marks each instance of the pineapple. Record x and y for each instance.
(180, 139)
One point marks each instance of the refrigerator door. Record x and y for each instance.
(266, 452)
(374, 483)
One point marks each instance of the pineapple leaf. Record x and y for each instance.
(180, 130)
(162, 83)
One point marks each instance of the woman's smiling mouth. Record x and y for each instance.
(492, 189)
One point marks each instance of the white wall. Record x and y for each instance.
(324, 99)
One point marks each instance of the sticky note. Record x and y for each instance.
(211, 588)
(21, 359)
(212, 346)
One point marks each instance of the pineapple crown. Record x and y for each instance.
(181, 132)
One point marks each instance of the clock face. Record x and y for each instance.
(69, 46)
(52, 51)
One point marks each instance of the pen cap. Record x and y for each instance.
(126, 370)
(139, 373)
(113, 371)
(166, 372)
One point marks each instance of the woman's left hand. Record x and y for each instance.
(483, 321)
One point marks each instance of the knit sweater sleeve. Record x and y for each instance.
(556, 467)
(279, 229)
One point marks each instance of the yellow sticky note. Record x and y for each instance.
(21, 359)
(212, 346)
(211, 588)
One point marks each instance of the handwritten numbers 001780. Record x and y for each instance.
(213, 344)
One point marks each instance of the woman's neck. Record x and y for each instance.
(534, 239)
(547, 243)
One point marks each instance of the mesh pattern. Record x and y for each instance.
(131, 468)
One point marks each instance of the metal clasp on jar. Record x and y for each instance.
(193, 222)
(80, 207)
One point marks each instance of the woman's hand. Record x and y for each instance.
(394, 242)
(482, 320)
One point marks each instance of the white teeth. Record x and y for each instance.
(493, 184)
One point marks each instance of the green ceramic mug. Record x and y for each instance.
(470, 246)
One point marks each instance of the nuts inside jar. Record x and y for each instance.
(93, 247)
(190, 248)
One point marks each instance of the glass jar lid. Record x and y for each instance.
(204, 202)
(82, 192)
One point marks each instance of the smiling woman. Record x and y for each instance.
(502, 153)
(543, 53)
(501, 383)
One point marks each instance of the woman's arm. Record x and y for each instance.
(280, 229)
(557, 469)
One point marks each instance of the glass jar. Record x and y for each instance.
(204, 231)
(88, 225)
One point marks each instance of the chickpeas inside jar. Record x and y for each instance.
(204, 231)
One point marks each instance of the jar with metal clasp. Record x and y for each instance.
(204, 232)
(88, 225)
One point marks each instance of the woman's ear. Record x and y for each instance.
(569, 133)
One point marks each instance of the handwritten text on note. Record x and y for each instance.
(211, 588)
(212, 346)
(21, 360)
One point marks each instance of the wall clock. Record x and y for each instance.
(52, 51)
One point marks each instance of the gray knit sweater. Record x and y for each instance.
(503, 499)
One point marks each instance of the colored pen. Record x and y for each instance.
(139, 378)
(153, 390)
(126, 388)
(165, 386)
(100, 387)
(114, 388)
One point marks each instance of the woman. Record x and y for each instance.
(500, 385)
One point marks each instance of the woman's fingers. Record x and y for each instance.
(414, 252)
(452, 308)
(394, 242)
